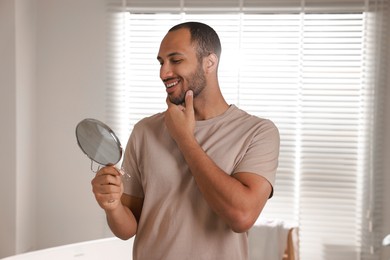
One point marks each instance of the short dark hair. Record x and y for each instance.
(204, 36)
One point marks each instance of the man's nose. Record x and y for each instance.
(165, 71)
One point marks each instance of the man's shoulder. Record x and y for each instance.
(251, 117)
(152, 120)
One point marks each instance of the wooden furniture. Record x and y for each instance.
(292, 248)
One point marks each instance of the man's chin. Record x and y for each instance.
(177, 100)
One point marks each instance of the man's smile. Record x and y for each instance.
(171, 83)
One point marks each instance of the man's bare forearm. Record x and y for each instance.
(122, 222)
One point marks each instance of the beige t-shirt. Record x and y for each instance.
(176, 222)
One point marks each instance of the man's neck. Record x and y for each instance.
(208, 109)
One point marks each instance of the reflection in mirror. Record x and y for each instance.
(98, 142)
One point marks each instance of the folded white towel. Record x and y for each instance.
(268, 240)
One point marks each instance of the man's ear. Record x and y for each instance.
(211, 63)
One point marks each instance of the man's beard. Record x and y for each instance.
(196, 83)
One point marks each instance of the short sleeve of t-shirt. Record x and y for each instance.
(132, 185)
(262, 153)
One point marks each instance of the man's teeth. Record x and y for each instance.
(171, 84)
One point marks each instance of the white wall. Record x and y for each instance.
(18, 218)
(70, 87)
(25, 80)
(8, 128)
(51, 76)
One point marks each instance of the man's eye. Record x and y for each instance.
(176, 61)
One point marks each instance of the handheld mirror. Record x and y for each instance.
(98, 142)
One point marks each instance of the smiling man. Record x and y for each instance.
(179, 53)
(201, 171)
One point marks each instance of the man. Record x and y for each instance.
(201, 172)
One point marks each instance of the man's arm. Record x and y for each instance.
(237, 199)
(122, 211)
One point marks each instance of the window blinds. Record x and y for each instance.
(312, 67)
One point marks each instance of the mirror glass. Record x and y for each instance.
(98, 142)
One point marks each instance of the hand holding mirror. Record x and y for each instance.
(99, 142)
